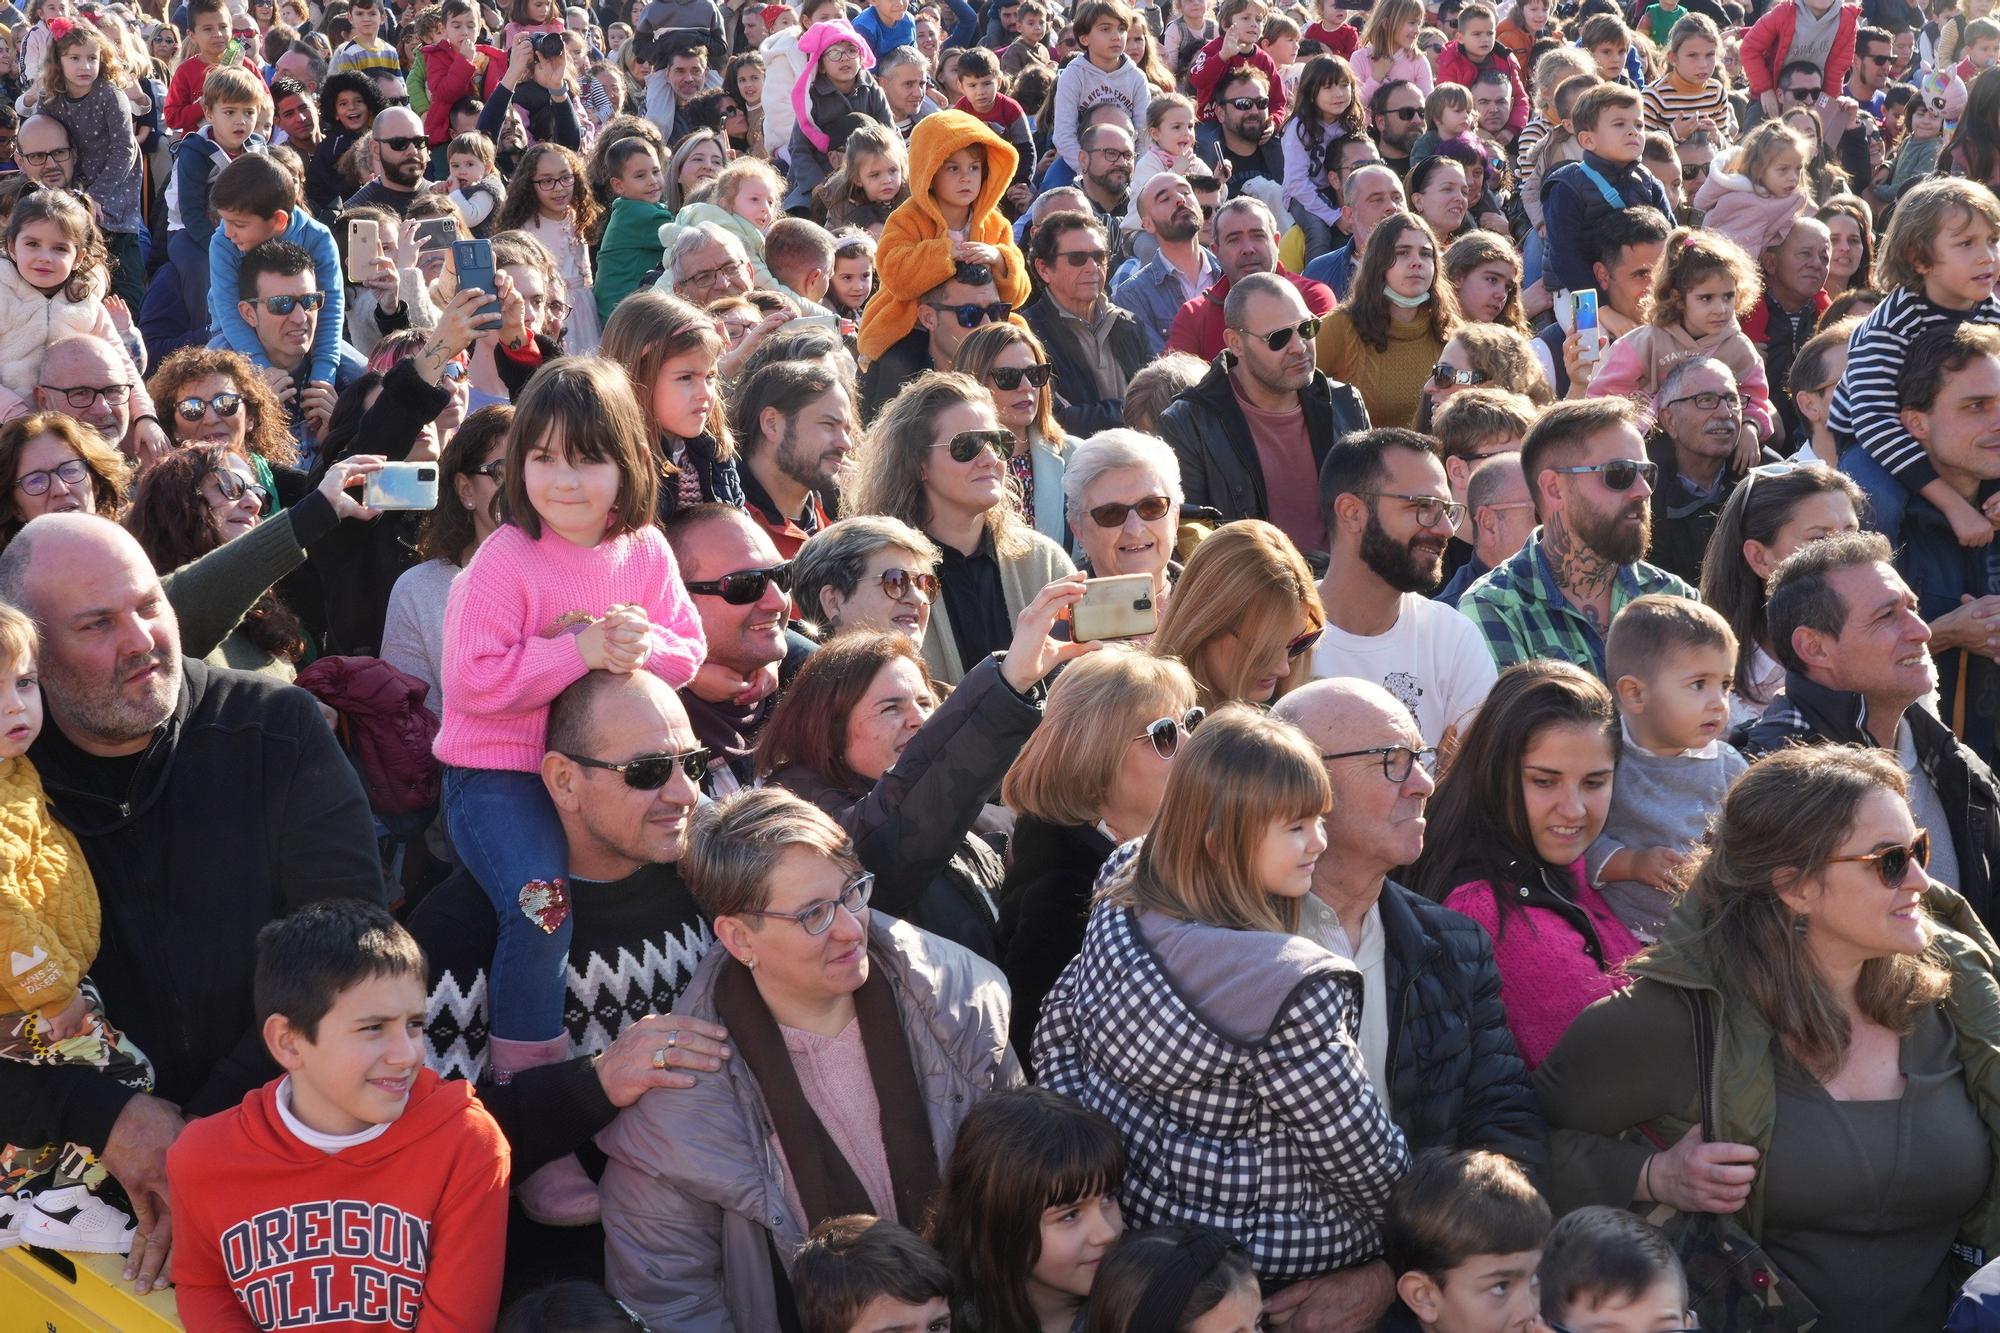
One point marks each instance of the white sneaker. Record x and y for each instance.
(13, 1209)
(74, 1219)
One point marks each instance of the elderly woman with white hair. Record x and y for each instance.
(1122, 492)
(869, 572)
(704, 263)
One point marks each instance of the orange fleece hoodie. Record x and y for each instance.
(408, 1230)
(914, 254)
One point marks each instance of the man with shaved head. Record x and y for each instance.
(208, 803)
(85, 377)
(1433, 1035)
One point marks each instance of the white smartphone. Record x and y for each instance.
(364, 247)
(1119, 607)
(401, 486)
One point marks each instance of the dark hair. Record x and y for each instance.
(256, 185)
(1597, 101)
(1623, 230)
(589, 402)
(1357, 463)
(305, 960)
(1367, 303)
(1454, 1205)
(1649, 630)
(849, 1261)
(1801, 589)
(346, 81)
(1940, 353)
(785, 385)
(1378, 101)
(809, 725)
(1974, 149)
(574, 1305)
(1600, 1254)
(448, 528)
(1321, 72)
(286, 86)
(978, 62)
(1051, 229)
(1559, 434)
(279, 258)
(1205, 1262)
(1853, 209)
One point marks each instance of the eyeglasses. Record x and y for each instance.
(1804, 94)
(1707, 402)
(555, 182)
(71, 472)
(1279, 339)
(1441, 375)
(1689, 175)
(1151, 508)
(972, 316)
(1880, 60)
(1008, 378)
(1618, 474)
(1165, 733)
(82, 396)
(1429, 509)
(1403, 112)
(898, 583)
(194, 409)
(402, 143)
(1303, 644)
(965, 445)
(233, 484)
(56, 155)
(746, 586)
(1397, 760)
(284, 305)
(709, 277)
(1117, 156)
(495, 471)
(650, 772)
(1892, 864)
(817, 918)
(1247, 103)
(1079, 258)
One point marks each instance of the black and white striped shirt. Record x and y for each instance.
(1866, 408)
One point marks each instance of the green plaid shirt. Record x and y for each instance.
(1524, 615)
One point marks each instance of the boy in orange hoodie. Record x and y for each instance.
(959, 169)
(359, 1189)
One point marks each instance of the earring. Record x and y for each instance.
(1800, 924)
(750, 963)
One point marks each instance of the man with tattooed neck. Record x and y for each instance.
(1591, 483)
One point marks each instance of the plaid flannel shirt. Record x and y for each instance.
(1524, 615)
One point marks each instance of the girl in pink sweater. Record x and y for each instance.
(1527, 792)
(578, 579)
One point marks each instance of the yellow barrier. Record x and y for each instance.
(45, 1292)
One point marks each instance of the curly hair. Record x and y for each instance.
(521, 206)
(266, 432)
(1694, 256)
(347, 81)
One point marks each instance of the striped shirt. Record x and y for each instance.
(1866, 408)
(1522, 611)
(361, 59)
(1668, 98)
(1531, 134)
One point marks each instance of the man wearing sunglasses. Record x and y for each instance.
(1094, 346)
(1241, 129)
(1587, 470)
(1858, 667)
(282, 303)
(1433, 1035)
(1396, 114)
(1246, 242)
(946, 314)
(1789, 33)
(402, 152)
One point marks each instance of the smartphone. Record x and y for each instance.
(816, 322)
(473, 261)
(436, 234)
(1120, 607)
(364, 247)
(1583, 307)
(401, 486)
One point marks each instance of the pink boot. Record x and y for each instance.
(558, 1194)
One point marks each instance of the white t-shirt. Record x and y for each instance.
(1433, 659)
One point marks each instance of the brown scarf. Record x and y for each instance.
(826, 1182)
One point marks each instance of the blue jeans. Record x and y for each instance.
(506, 831)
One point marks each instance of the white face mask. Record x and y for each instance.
(1417, 302)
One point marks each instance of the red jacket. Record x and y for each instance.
(1205, 74)
(183, 110)
(1767, 47)
(408, 1230)
(1455, 66)
(1198, 326)
(1340, 41)
(449, 76)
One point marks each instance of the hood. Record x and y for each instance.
(741, 228)
(812, 45)
(435, 1103)
(936, 138)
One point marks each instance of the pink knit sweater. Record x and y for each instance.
(1547, 977)
(510, 643)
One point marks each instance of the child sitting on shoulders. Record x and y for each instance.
(1762, 191)
(257, 200)
(743, 201)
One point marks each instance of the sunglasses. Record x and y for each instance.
(495, 471)
(1080, 258)
(898, 583)
(194, 409)
(965, 445)
(1279, 339)
(972, 316)
(1443, 375)
(1618, 474)
(746, 586)
(1165, 733)
(817, 918)
(1247, 103)
(1302, 645)
(1008, 378)
(1880, 60)
(1403, 112)
(650, 772)
(1428, 509)
(1804, 94)
(1152, 509)
(402, 143)
(70, 472)
(1892, 864)
(284, 305)
(232, 485)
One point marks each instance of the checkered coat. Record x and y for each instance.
(1281, 1141)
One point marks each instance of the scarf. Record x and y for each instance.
(827, 1184)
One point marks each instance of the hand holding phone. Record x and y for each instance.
(473, 262)
(1583, 306)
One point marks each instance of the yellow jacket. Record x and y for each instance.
(49, 919)
(914, 254)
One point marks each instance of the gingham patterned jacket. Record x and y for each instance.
(1283, 1143)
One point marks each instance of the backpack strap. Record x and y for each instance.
(1604, 187)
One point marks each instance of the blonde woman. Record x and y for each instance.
(1492, 356)
(1011, 362)
(1244, 612)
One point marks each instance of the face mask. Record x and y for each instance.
(1417, 302)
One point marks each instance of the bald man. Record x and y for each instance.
(208, 803)
(1433, 1034)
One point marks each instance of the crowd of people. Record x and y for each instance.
(1026, 665)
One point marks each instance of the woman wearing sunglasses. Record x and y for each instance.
(1399, 314)
(1012, 364)
(208, 396)
(867, 573)
(860, 733)
(1123, 491)
(1089, 780)
(1484, 356)
(937, 459)
(1851, 1101)
(858, 1043)
(1243, 615)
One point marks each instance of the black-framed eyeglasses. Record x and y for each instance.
(1708, 401)
(1804, 94)
(965, 445)
(1397, 760)
(745, 586)
(897, 584)
(817, 918)
(1428, 509)
(1151, 508)
(562, 182)
(82, 396)
(1279, 339)
(1008, 378)
(1165, 732)
(1618, 474)
(402, 143)
(1247, 103)
(650, 772)
(71, 472)
(55, 155)
(1124, 156)
(1442, 375)
(284, 305)
(972, 316)
(495, 471)
(1892, 864)
(194, 409)
(232, 485)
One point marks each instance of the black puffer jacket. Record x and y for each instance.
(913, 827)
(1043, 909)
(1455, 1077)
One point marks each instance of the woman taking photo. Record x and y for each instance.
(1521, 802)
(1010, 362)
(937, 459)
(1200, 1022)
(669, 351)
(859, 1045)
(1089, 779)
(1245, 611)
(1399, 313)
(1122, 492)
(867, 573)
(1852, 1092)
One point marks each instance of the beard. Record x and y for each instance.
(1405, 566)
(97, 708)
(1606, 532)
(1174, 232)
(800, 465)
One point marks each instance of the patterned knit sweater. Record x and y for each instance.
(48, 902)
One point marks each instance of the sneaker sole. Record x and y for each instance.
(63, 1246)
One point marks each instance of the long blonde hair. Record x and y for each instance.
(982, 347)
(1245, 580)
(1097, 706)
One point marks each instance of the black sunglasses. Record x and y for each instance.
(284, 305)
(1165, 733)
(746, 586)
(1880, 60)
(232, 484)
(650, 772)
(194, 409)
(1079, 258)
(1152, 508)
(1247, 103)
(972, 316)
(1302, 645)
(965, 445)
(1804, 94)
(1893, 863)
(1279, 339)
(403, 143)
(1008, 378)
(1618, 474)
(1403, 112)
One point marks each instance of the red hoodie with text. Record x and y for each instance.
(407, 1230)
